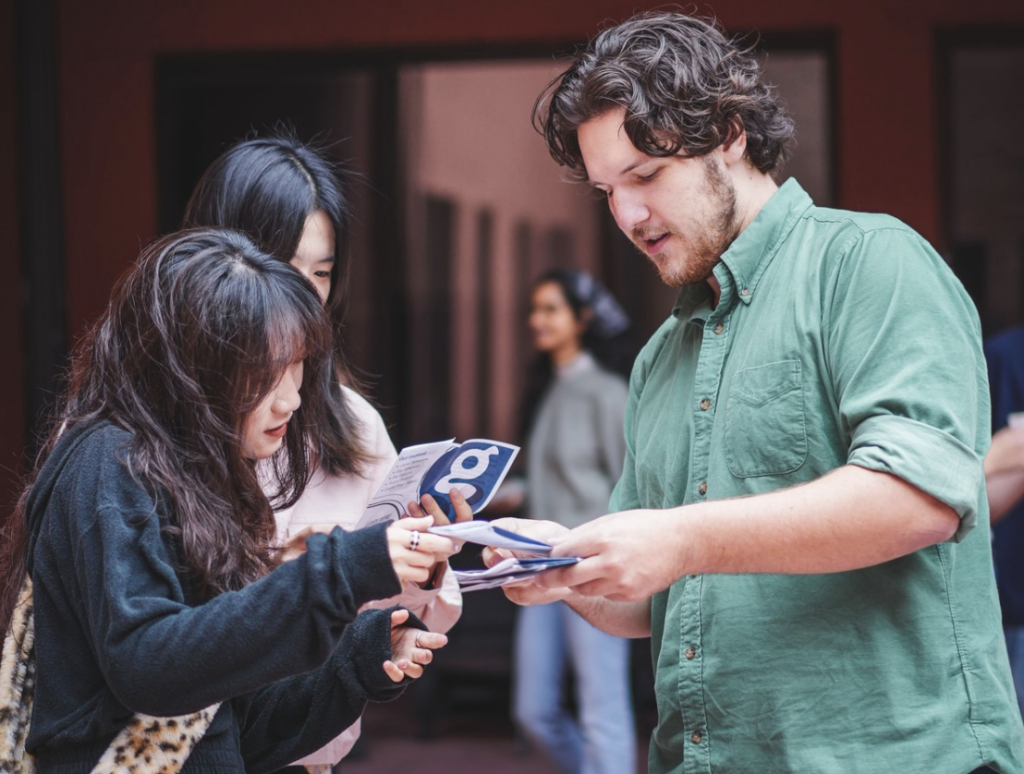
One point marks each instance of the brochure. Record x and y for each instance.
(508, 570)
(486, 534)
(476, 467)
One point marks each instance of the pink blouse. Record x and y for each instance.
(341, 500)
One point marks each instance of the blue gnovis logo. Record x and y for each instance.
(475, 468)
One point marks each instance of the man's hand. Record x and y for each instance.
(411, 649)
(527, 592)
(627, 556)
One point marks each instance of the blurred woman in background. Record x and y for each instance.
(573, 423)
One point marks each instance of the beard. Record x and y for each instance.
(719, 229)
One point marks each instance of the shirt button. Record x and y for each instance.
(696, 736)
(703, 488)
(718, 329)
(690, 653)
(745, 292)
(705, 404)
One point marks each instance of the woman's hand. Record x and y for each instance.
(295, 545)
(411, 648)
(430, 508)
(414, 551)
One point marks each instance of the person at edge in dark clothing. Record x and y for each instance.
(1004, 478)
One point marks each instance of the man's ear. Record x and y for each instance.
(734, 148)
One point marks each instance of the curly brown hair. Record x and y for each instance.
(686, 89)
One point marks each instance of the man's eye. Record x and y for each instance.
(650, 176)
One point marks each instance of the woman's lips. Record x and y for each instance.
(278, 432)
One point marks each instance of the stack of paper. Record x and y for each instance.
(509, 570)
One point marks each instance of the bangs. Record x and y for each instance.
(295, 328)
(287, 336)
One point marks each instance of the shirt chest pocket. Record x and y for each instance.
(765, 427)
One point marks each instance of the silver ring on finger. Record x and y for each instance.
(414, 541)
(416, 641)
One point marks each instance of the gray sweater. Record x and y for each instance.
(576, 445)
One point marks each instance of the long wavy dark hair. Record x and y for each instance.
(685, 87)
(266, 187)
(197, 332)
(612, 345)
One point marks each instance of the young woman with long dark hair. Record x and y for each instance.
(149, 541)
(289, 198)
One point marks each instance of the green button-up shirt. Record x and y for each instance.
(839, 338)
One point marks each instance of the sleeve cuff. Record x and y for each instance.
(368, 648)
(924, 456)
(366, 552)
(362, 661)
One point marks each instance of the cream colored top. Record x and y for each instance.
(341, 500)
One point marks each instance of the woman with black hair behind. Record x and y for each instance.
(573, 423)
(291, 200)
(155, 588)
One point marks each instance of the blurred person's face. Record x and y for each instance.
(554, 327)
(264, 428)
(314, 256)
(679, 212)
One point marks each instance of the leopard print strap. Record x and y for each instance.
(150, 745)
(17, 684)
(147, 745)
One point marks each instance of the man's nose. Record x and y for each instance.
(629, 211)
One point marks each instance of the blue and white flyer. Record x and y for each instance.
(475, 468)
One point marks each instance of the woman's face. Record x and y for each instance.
(263, 430)
(314, 256)
(554, 327)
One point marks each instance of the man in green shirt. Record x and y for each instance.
(801, 523)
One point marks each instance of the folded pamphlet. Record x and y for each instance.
(474, 467)
(508, 571)
(486, 534)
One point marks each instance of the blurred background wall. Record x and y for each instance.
(110, 109)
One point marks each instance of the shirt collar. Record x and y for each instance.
(693, 304)
(582, 363)
(748, 256)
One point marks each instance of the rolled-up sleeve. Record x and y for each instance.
(930, 459)
(906, 360)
